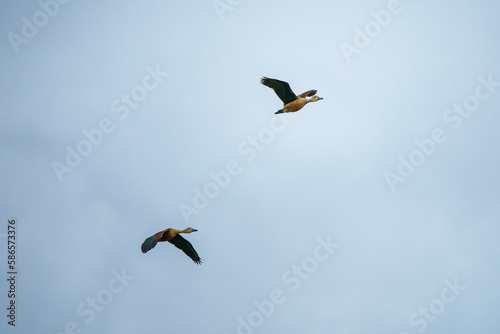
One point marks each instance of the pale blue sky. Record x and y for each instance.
(173, 88)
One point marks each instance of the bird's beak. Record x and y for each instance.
(320, 98)
(194, 230)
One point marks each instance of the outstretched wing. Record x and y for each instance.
(186, 247)
(311, 92)
(149, 244)
(281, 88)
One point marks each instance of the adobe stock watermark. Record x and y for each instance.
(223, 6)
(420, 319)
(293, 278)
(88, 309)
(453, 117)
(120, 107)
(248, 149)
(364, 36)
(30, 26)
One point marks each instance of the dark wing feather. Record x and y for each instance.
(186, 247)
(281, 88)
(311, 92)
(149, 244)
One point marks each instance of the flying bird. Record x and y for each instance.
(291, 102)
(173, 236)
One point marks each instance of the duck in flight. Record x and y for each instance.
(173, 236)
(291, 102)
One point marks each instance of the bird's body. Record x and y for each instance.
(296, 105)
(173, 236)
(291, 102)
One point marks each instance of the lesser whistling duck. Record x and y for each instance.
(172, 235)
(291, 102)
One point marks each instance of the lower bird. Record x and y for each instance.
(291, 102)
(173, 236)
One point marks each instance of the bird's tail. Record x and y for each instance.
(149, 244)
(279, 111)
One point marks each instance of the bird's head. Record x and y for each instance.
(190, 229)
(316, 98)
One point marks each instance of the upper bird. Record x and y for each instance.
(291, 102)
(172, 235)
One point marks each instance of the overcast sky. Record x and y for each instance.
(374, 210)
